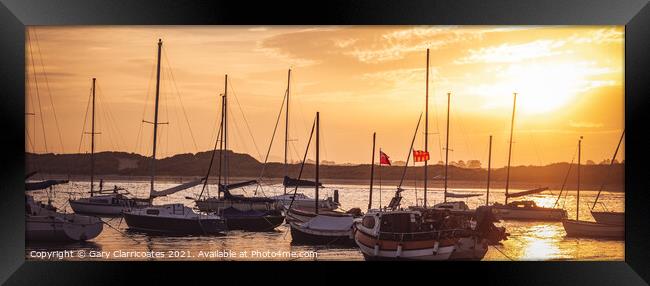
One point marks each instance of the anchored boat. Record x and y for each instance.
(322, 228)
(580, 228)
(239, 212)
(170, 218)
(524, 210)
(44, 223)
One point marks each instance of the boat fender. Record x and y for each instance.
(399, 250)
(376, 250)
(435, 247)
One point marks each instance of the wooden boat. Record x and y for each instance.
(401, 235)
(170, 218)
(578, 228)
(391, 233)
(44, 223)
(524, 210)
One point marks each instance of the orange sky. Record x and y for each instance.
(361, 79)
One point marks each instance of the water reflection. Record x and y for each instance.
(528, 240)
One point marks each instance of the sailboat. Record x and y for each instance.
(609, 217)
(109, 204)
(322, 229)
(457, 207)
(578, 228)
(240, 212)
(524, 210)
(175, 218)
(299, 201)
(44, 223)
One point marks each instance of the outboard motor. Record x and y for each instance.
(336, 196)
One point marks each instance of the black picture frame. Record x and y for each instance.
(15, 15)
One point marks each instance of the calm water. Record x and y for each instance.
(528, 240)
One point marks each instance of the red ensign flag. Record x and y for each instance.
(384, 159)
(420, 156)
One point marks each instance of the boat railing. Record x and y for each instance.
(436, 234)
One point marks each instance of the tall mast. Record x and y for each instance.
(317, 156)
(610, 166)
(372, 170)
(220, 138)
(578, 191)
(487, 195)
(286, 129)
(426, 131)
(225, 131)
(92, 146)
(155, 121)
(512, 125)
(447, 147)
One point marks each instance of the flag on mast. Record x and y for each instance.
(383, 158)
(420, 156)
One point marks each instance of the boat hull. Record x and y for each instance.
(177, 226)
(216, 205)
(537, 214)
(593, 229)
(470, 248)
(254, 223)
(304, 236)
(52, 229)
(96, 209)
(616, 218)
(377, 249)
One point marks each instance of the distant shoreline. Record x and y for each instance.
(455, 184)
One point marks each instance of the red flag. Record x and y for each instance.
(384, 159)
(420, 156)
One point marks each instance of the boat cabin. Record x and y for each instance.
(523, 204)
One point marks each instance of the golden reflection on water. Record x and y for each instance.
(528, 240)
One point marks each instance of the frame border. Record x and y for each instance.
(15, 15)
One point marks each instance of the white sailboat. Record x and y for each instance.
(458, 207)
(298, 201)
(44, 223)
(524, 210)
(112, 203)
(578, 228)
(322, 229)
(609, 217)
(170, 218)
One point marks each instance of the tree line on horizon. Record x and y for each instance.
(243, 165)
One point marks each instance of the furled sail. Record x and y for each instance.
(291, 182)
(452, 195)
(177, 189)
(237, 185)
(529, 192)
(225, 189)
(33, 186)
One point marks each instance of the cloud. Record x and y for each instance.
(395, 45)
(509, 53)
(601, 36)
(585, 124)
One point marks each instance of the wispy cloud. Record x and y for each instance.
(508, 53)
